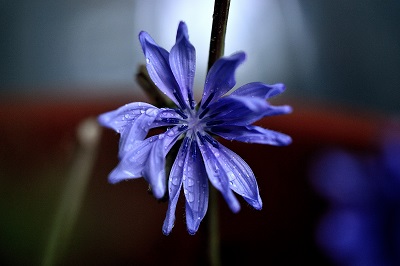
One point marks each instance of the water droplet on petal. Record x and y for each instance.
(150, 112)
(190, 182)
(170, 133)
(148, 60)
(175, 181)
(190, 197)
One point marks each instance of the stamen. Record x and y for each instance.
(182, 114)
(182, 103)
(191, 101)
(204, 112)
(185, 145)
(170, 120)
(200, 137)
(212, 141)
(210, 97)
(193, 150)
(209, 139)
(183, 127)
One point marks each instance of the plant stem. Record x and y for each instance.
(88, 139)
(217, 46)
(217, 41)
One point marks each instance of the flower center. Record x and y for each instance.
(194, 122)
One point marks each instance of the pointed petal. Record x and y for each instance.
(134, 161)
(132, 121)
(259, 90)
(252, 134)
(216, 173)
(154, 170)
(182, 60)
(241, 177)
(175, 185)
(157, 63)
(195, 185)
(235, 110)
(122, 117)
(240, 110)
(221, 78)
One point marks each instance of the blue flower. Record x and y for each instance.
(200, 158)
(362, 225)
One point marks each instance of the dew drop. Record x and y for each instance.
(148, 60)
(190, 196)
(190, 182)
(231, 175)
(175, 181)
(170, 133)
(150, 112)
(129, 146)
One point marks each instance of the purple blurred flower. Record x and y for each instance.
(362, 226)
(200, 158)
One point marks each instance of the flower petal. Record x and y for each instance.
(154, 170)
(174, 186)
(134, 161)
(241, 177)
(122, 117)
(259, 90)
(182, 60)
(216, 174)
(221, 78)
(168, 117)
(132, 121)
(157, 63)
(195, 188)
(252, 134)
(240, 110)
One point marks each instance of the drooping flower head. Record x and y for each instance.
(201, 159)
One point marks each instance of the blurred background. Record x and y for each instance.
(65, 61)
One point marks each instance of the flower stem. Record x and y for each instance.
(88, 140)
(217, 41)
(217, 46)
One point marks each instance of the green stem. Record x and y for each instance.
(217, 46)
(88, 139)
